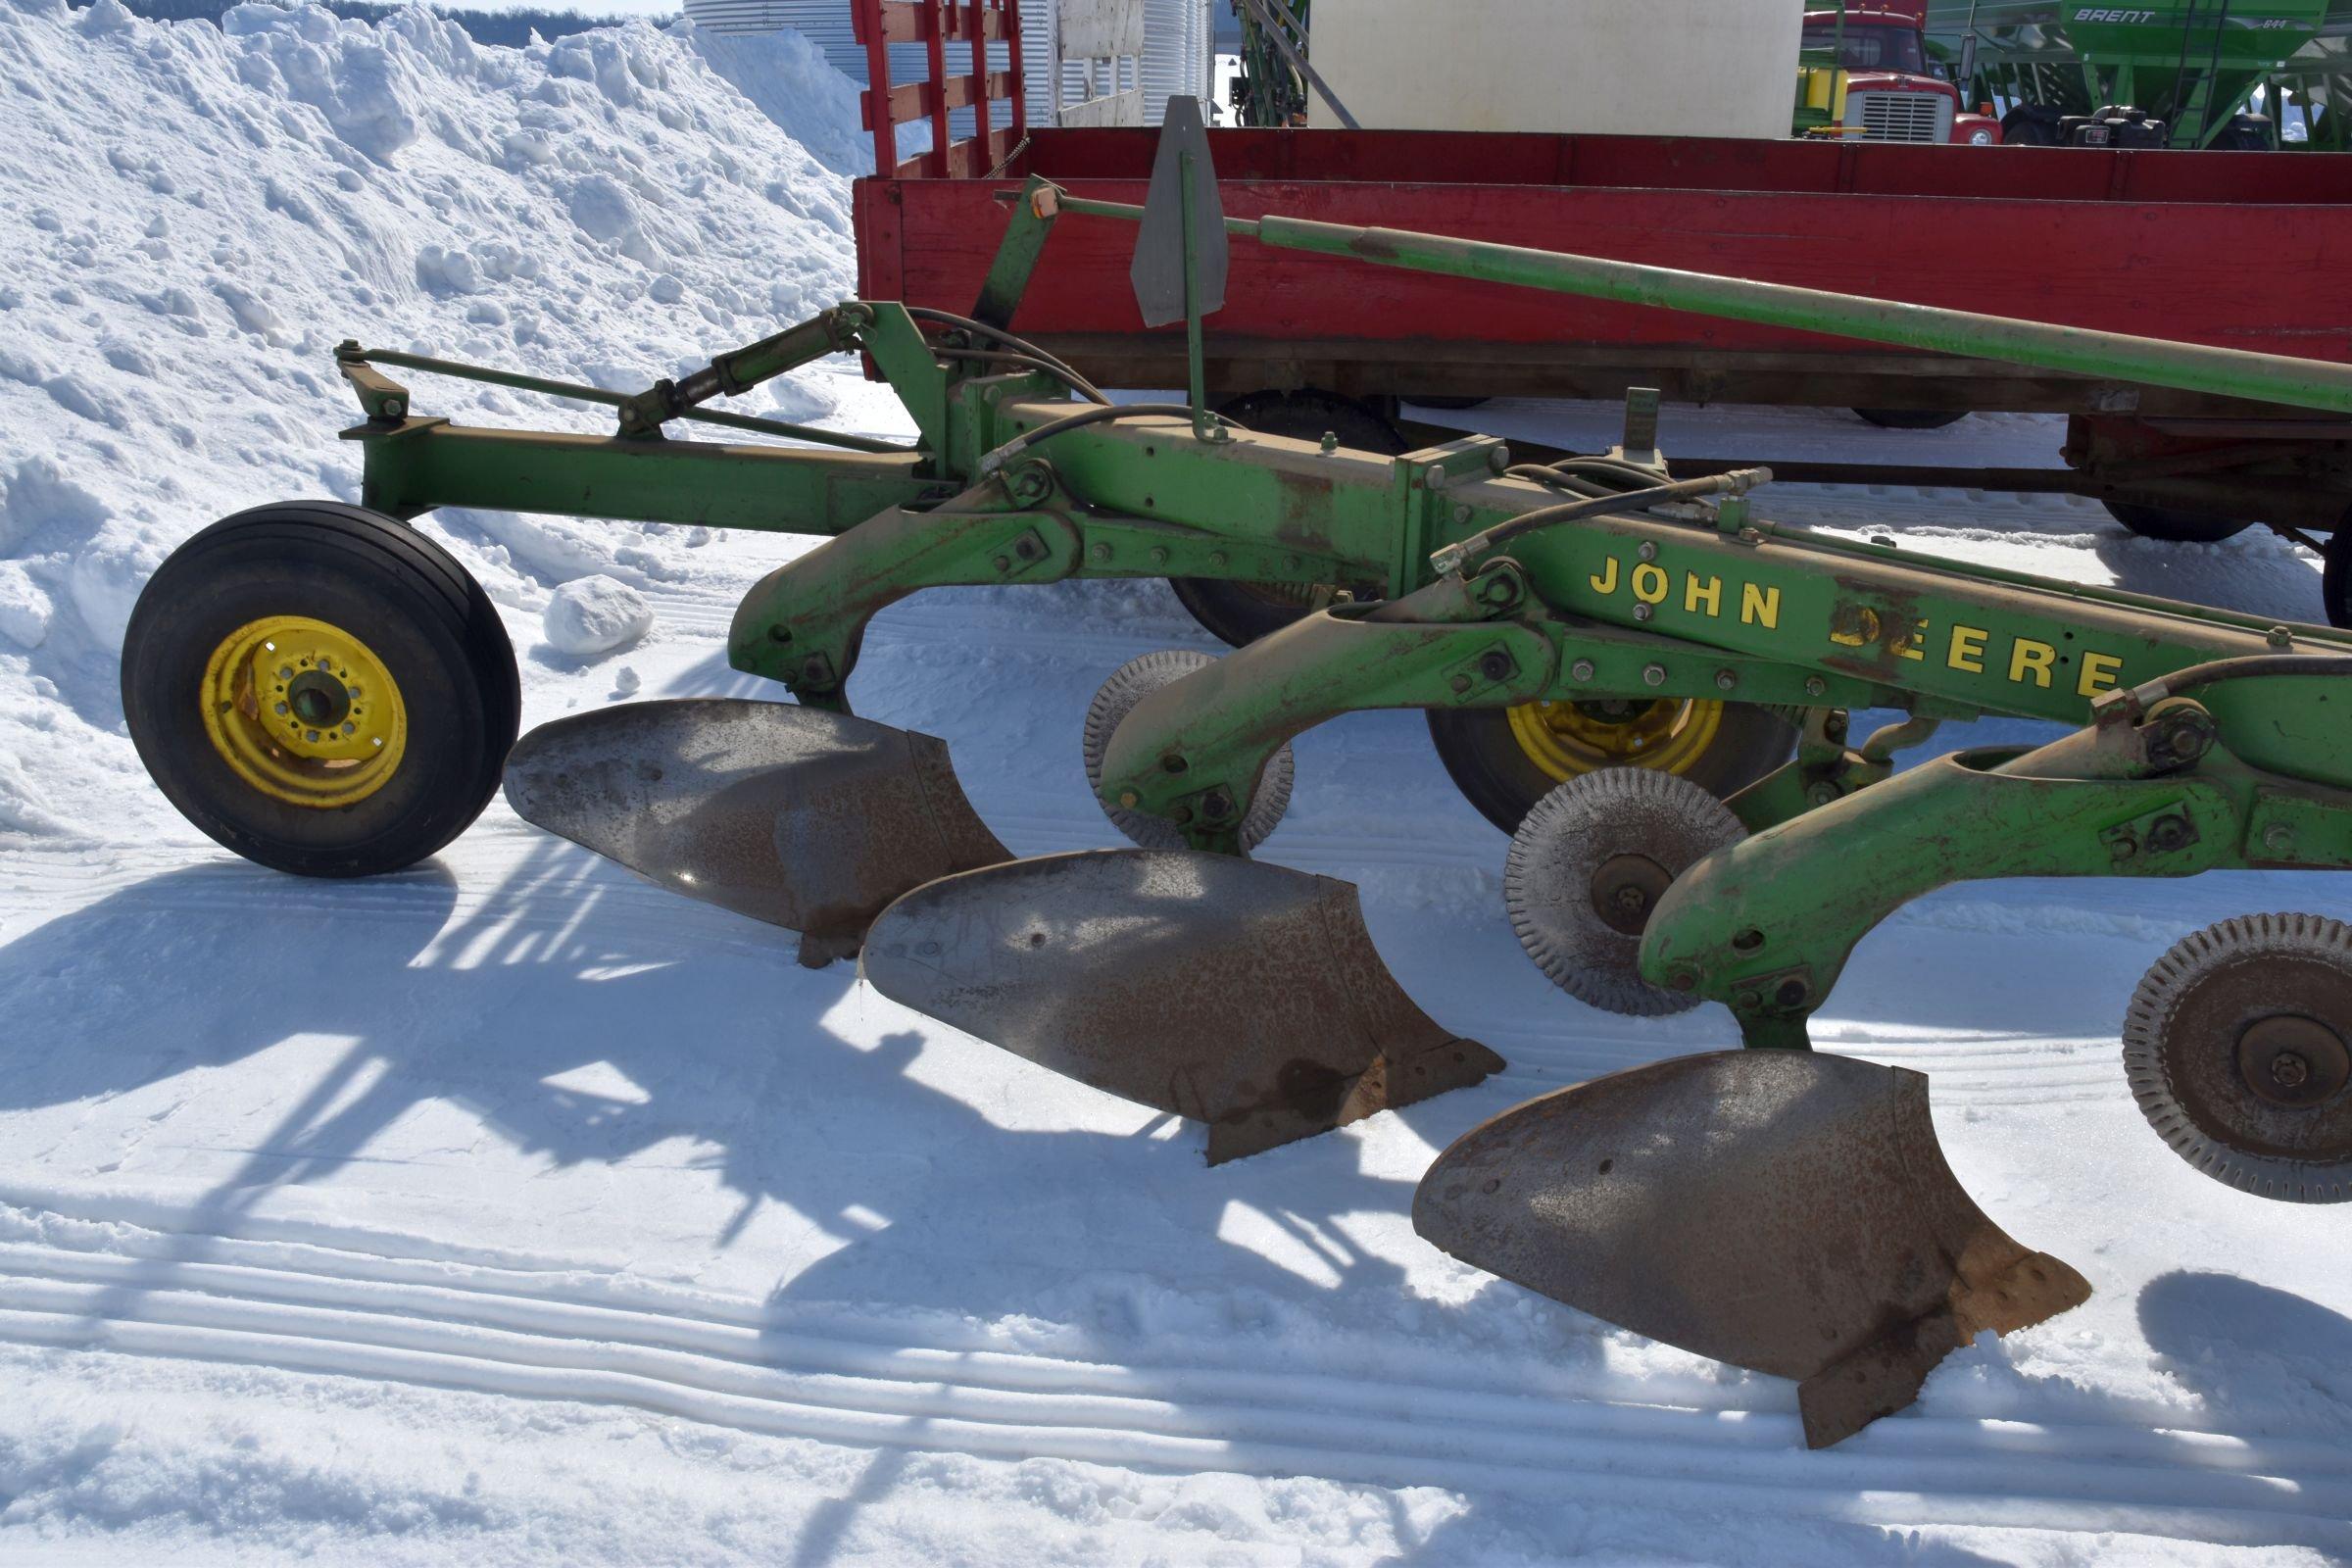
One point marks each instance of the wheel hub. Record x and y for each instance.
(304, 712)
(1626, 888)
(2293, 1061)
(318, 698)
(1570, 739)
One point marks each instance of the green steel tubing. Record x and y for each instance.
(2154, 362)
(579, 392)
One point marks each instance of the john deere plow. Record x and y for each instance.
(1643, 681)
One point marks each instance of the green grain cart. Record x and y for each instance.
(2223, 74)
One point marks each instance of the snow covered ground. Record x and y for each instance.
(509, 1209)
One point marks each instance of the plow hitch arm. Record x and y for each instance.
(2151, 789)
(1193, 751)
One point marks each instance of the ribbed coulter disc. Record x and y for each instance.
(1130, 684)
(2238, 1047)
(1587, 866)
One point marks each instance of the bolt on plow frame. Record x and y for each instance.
(1643, 681)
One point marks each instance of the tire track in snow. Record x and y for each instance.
(311, 1309)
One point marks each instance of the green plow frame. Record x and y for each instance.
(1779, 1208)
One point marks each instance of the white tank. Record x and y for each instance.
(1671, 68)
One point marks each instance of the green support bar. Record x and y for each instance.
(419, 465)
(2188, 367)
(1017, 257)
(383, 399)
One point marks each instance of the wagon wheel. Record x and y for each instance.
(1237, 612)
(1504, 760)
(320, 689)
(1911, 419)
(2174, 525)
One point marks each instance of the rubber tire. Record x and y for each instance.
(1911, 419)
(2174, 527)
(2022, 129)
(1228, 610)
(1495, 774)
(400, 593)
(2336, 581)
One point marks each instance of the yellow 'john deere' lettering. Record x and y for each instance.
(2099, 674)
(1967, 651)
(1971, 649)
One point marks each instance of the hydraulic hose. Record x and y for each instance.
(2248, 667)
(1061, 372)
(1738, 482)
(1019, 345)
(990, 462)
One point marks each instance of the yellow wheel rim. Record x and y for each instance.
(1568, 740)
(304, 712)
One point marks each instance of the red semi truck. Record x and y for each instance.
(2124, 241)
(1894, 91)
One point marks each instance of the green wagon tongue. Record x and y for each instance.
(1779, 1209)
(1244, 996)
(804, 819)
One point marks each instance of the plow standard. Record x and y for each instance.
(1643, 681)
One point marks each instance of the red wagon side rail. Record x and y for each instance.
(2116, 241)
(938, 24)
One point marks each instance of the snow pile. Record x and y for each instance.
(192, 217)
(592, 615)
(790, 81)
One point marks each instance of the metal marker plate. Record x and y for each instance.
(1158, 271)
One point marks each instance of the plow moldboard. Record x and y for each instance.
(1786, 1211)
(1245, 996)
(793, 816)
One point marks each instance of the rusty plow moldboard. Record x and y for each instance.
(1783, 1211)
(1244, 996)
(799, 817)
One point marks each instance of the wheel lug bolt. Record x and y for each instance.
(2289, 1071)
